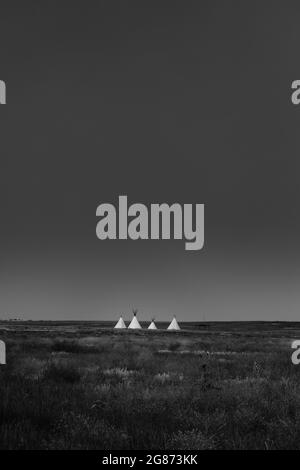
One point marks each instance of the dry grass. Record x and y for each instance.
(232, 388)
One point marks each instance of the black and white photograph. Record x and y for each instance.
(149, 228)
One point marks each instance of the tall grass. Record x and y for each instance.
(123, 393)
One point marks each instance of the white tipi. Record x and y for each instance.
(173, 325)
(134, 324)
(152, 326)
(120, 324)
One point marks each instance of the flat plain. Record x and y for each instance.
(213, 385)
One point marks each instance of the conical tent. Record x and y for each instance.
(152, 326)
(173, 325)
(120, 324)
(134, 324)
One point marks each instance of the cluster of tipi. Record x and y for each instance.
(135, 324)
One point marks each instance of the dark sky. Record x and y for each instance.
(163, 101)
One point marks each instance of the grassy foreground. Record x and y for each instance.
(213, 386)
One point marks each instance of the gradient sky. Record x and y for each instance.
(187, 103)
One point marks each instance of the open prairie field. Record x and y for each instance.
(83, 385)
